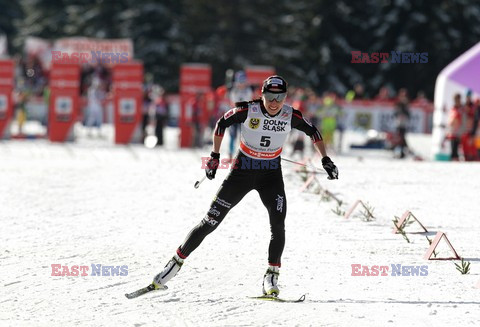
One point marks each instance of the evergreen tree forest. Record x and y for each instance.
(309, 42)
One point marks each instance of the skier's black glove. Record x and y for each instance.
(330, 168)
(212, 165)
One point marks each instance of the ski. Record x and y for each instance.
(277, 299)
(142, 291)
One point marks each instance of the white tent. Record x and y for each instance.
(459, 76)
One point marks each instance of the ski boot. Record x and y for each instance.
(270, 281)
(170, 270)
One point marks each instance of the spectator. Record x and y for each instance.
(340, 122)
(197, 110)
(34, 75)
(300, 99)
(222, 104)
(303, 102)
(21, 111)
(383, 94)
(468, 140)
(146, 105)
(421, 99)
(358, 93)
(476, 122)
(455, 125)
(312, 104)
(402, 118)
(329, 113)
(161, 112)
(96, 96)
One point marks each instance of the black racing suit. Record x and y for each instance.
(262, 175)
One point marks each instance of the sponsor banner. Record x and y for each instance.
(64, 101)
(259, 154)
(128, 92)
(6, 103)
(63, 106)
(257, 74)
(380, 115)
(195, 79)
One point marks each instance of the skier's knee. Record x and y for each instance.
(277, 226)
(209, 223)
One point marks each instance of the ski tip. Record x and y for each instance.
(278, 299)
(142, 291)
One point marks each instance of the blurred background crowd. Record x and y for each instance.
(323, 108)
(307, 42)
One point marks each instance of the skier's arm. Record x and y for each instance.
(298, 122)
(320, 147)
(235, 115)
(301, 124)
(217, 142)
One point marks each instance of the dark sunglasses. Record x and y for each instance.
(275, 96)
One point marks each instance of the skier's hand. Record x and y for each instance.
(330, 168)
(212, 165)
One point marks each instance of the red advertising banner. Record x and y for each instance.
(195, 82)
(257, 74)
(128, 90)
(6, 89)
(64, 101)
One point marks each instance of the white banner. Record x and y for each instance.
(380, 115)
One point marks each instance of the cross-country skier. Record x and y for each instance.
(265, 124)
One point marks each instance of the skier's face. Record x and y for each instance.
(273, 102)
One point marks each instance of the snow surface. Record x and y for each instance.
(95, 203)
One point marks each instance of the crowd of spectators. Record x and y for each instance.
(324, 110)
(462, 128)
(31, 86)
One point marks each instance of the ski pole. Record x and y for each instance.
(197, 183)
(304, 165)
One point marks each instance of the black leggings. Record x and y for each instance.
(265, 176)
(455, 142)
